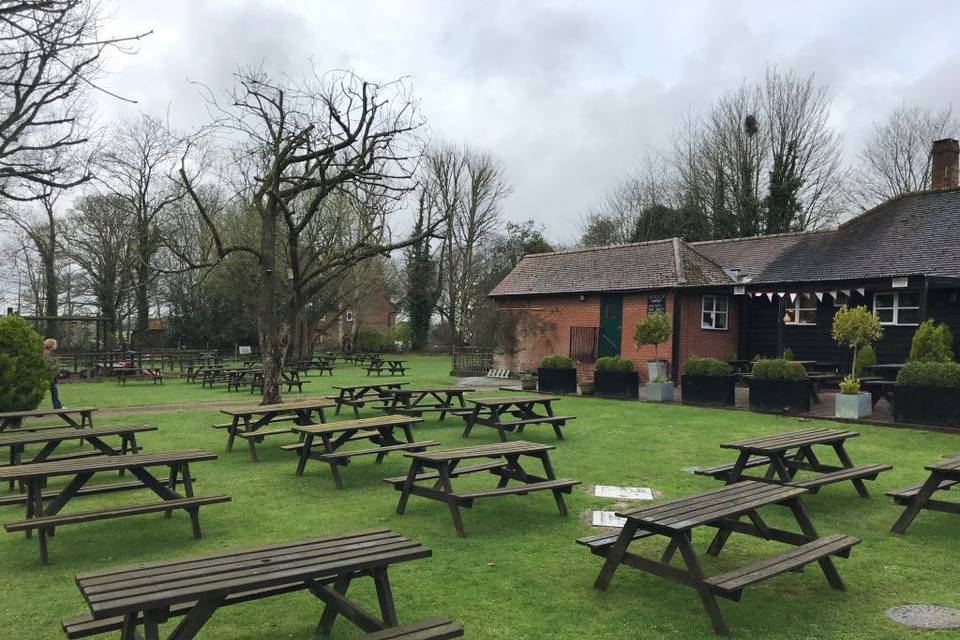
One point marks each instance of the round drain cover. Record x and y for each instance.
(925, 616)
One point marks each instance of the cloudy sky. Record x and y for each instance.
(567, 95)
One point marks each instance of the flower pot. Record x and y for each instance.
(854, 406)
(586, 388)
(926, 405)
(780, 395)
(712, 391)
(656, 369)
(617, 384)
(557, 380)
(528, 384)
(660, 391)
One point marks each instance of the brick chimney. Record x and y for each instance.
(946, 160)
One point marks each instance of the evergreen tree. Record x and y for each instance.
(421, 285)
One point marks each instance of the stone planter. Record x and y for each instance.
(617, 384)
(586, 388)
(780, 395)
(656, 369)
(528, 384)
(926, 405)
(557, 380)
(710, 391)
(660, 391)
(854, 407)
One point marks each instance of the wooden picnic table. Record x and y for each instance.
(493, 412)
(147, 594)
(724, 510)
(391, 366)
(123, 374)
(943, 476)
(443, 466)
(378, 430)
(785, 454)
(317, 364)
(14, 419)
(879, 388)
(358, 395)
(247, 422)
(416, 402)
(51, 440)
(44, 519)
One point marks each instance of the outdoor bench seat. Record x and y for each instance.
(76, 455)
(49, 494)
(600, 544)
(561, 420)
(260, 433)
(862, 472)
(344, 456)
(732, 583)
(564, 486)
(905, 494)
(397, 481)
(433, 629)
(722, 470)
(362, 435)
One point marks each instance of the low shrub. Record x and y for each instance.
(370, 340)
(557, 361)
(779, 369)
(697, 366)
(614, 363)
(24, 372)
(850, 386)
(931, 343)
(866, 357)
(930, 374)
(788, 354)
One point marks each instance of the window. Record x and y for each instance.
(841, 299)
(803, 310)
(901, 307)
(714, 314)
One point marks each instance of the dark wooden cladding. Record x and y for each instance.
(583, 343)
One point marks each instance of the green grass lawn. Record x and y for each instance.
(519, 574)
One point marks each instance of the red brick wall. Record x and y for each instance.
(547, 330)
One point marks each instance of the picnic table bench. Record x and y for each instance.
(393, 367)
(723, 509)
(357, 396)
(443, 466)
(45, 519)
(316, 364)
(492, 412)
(377, 430)
(943, 476)
(785, 454)
(147, 594)
(248, 422)
(289, 378)
(14, 419)
(416, 402)
(124, 374)
(880, 388)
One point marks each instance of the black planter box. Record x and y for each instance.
(617, 384)
(557, 380)
(714, 391)
(926, 405)
(780, 395)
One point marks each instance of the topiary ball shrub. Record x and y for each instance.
(930, 374)
(697, 366)
(557, 361)
(779, 369)
(24, 375)
(614, 363)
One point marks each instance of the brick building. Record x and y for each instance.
(747, 297)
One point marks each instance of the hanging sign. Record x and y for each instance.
(656, 304)
(900, 283)
(739, 290)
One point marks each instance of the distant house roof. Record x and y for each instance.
(660, 264)
(912, 234)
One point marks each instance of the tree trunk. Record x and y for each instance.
(142, 303)
(50, 282)
(273, 336)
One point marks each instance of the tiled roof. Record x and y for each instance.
(660, 264)
(913, 234)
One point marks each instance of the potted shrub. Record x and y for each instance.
(528, 382)
(928, 393)
(708, 381)
(857, 328)
(780, 385)
(615, 378)
(557, 374)
(655, 329)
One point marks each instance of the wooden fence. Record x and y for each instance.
(471, 361)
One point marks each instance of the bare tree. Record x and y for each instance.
(896, 158)
(136, 167)
(287, 147)
(51, 52)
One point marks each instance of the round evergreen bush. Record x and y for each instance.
(779, 369)
(24, 375)
(697, 366)
(557, 361)
(615, 363)
(930, 374)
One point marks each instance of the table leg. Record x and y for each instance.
(232, 432)
(919, 502)
(329, 614)
(35, 489)
(151, 625)
(447, 488)
(304, 453)
(738, 467)
(388, 611)
(251, 442)
(193, 622)
(334, 467)
(471, 419)
(848, 463)
(415, 467)
(615, 555)
(706, 595)
(128, 630)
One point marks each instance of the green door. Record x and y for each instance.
(611, 321)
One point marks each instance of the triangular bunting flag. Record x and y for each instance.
(793, 297)
(770, 297)
(845, 292)
(782, 294)
(819, 295)
(833, 294)
(861, 291)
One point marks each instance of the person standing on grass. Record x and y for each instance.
(49, 347)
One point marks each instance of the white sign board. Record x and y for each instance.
(900, 283)
(623, 493)
(244, 351)
(607, 519)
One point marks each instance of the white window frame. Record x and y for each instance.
(714, 313)
(897, 307)
(837, 304)
(795, 305)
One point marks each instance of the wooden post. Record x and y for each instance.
(781, 310)
(675, 342)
